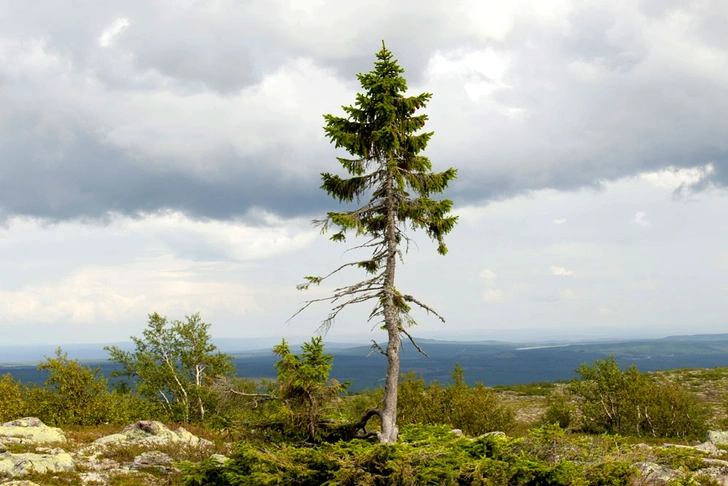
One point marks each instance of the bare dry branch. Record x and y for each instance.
(375, 348)
(409, 298)
(412, 340)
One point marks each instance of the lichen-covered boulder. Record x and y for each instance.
(656, 474)
(718, 437)
(152, 458)
(14, 465)
(31, 429)
(152, 432)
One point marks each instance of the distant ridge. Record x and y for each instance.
(490, 362)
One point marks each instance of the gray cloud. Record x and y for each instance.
(84, 178)
(596, 94)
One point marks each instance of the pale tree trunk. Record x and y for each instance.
(388, 415)
(199, 369)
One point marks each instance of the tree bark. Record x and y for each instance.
(389, 410)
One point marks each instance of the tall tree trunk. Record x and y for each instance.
(389, 410)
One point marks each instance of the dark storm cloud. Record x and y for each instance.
(597, 100)
(88, 179)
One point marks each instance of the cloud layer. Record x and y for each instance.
(165, 156)
(214, 109)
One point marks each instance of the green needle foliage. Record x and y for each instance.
(304, 384)
(386, 168)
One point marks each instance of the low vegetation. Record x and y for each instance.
(304, 428)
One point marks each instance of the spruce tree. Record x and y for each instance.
(380, 132)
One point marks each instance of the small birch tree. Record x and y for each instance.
(380, 132)
(175, 365)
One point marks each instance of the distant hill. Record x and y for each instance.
(490, 362)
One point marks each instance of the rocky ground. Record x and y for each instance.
(144, 453)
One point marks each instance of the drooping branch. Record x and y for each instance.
(412, 340)
(375, 348)
(409, 298)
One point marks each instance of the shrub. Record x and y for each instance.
(305, 387)
(558, 411)
(630, 403)
(73, 394)
(12, 403)
(425, 455)
(475, 410)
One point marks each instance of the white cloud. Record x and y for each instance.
(673, 178)
(561, 271)
(559, 221)
(480, 71)
(640, 218)
(492, 295)
(114, 30)
(488, 274)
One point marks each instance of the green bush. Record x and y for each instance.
(614, 473)
(631, 403)
(73, 394)
(12, 403)
(558, 411)
(475, 410)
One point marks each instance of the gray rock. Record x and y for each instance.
(718, 437)
(655, 474)
(93, 478)
(708, 447)
(15, 465)
(715, 462)
(457, 432)
(152, 432)
(153, 458)
(31, 429)
(21, 483)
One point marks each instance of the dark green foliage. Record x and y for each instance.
(475, 410)
(387, 170)
(304, 385)
(207, 473)
(425, 455)
(380, 132)
(630, 403)
(175, 365)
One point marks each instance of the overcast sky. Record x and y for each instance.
(164, 156)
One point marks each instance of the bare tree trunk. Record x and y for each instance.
(389, 410)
